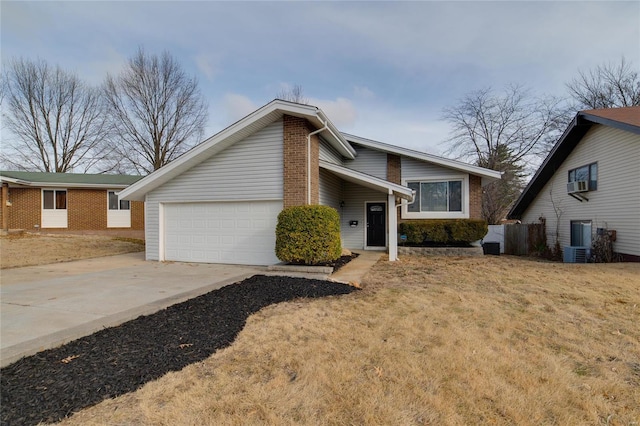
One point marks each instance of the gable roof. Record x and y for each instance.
(66, 180)
(627, 119)
(239, 130)
(422, 156)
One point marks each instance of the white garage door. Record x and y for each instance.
(240, 233)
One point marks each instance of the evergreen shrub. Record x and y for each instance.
(308, 235)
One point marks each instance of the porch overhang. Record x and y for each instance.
(368, 181)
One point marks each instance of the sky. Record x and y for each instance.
(380, 70)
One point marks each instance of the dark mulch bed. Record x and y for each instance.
(53, 384)
(336, 264)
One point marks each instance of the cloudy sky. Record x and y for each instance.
(382, 70)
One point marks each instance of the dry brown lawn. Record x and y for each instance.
(440, 341)
(17, 250)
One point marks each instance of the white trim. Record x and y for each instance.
(490, 175)
(464, 214)
(392, 225)
(386, 225)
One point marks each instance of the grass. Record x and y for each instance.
(488, 340)
(29, 249)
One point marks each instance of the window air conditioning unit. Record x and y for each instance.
(575, 254)
(577, 186)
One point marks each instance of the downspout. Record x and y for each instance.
(309, 158)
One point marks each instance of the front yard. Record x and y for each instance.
(487, 340)
(18, 250)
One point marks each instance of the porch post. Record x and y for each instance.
(5, 211)
(393, 227)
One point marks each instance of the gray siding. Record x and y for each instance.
(369, 161)
(251, 169)
(616, 202)
(330, 189)
(355, 197)
(411, 168)
(329, 154)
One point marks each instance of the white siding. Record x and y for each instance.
(330, 189)
(329, 154)
(354, 209)
(369, 161)
(616, 202)
(251, 169)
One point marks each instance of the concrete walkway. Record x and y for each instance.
(353, 272)
(49, 305)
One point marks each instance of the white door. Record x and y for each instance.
(239, 232)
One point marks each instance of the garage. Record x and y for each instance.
(221, 232)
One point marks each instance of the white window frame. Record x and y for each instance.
(118, 218)
(464, 214)
(119, 201)
(54, 217)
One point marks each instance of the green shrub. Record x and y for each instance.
(444, 231)
(308, 235)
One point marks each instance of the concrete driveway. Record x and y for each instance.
(49, 305)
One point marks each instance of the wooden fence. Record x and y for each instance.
(522, 239)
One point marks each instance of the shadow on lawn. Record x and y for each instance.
(53, 384)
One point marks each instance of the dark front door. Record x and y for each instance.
(376, 225)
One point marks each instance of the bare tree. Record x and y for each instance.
(508, 132)
(294, 94)
(607, 86)
(156, 110)
(57, 121)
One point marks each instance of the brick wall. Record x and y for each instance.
(137, 215)
(24, 212)
(475, 197)
(394, 172)
(295, 162)
(86, 209)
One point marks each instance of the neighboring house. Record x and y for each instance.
(68, 201)
(590, 180)
(219, 202)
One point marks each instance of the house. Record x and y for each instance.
(590, 182)
(68, 201)
(219, 202)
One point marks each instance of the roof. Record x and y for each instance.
(76, 180)
(239, 130)
(422, 156)
(368, 180)
(627, 119)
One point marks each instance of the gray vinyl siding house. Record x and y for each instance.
(609, 142)
(219, 202)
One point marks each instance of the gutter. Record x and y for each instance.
(309, 158)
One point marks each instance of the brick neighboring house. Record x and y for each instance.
(70, 202)
(219, 202)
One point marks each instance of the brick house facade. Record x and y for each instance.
(86, 208)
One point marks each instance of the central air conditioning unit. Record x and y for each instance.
(577, 186)
(576, 254)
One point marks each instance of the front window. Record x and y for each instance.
(436, 196)
(54, 199)
(115, 204)
(588, 173)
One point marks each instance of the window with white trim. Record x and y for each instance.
(436, 196)
(115, 204)
(54, 199)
